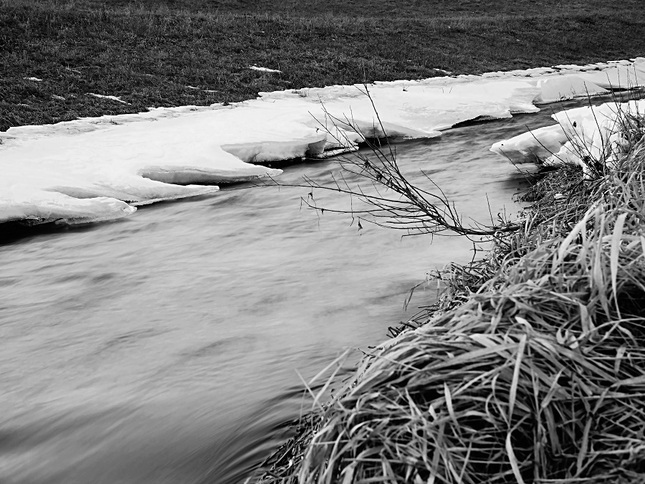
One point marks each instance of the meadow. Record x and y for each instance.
(152, 53)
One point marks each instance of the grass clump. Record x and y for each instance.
(537, 374)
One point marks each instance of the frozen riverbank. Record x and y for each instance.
(98, 169)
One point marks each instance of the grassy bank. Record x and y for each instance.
(531, 368)
(170, 52)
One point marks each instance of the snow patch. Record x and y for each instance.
(589, 133)
(23, 203)
(264, 69)
(97, 168)
(533, 146)
(554, 89)
(200, 89)
(111, 98)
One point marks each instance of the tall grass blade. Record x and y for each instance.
(513, 460)
(615, 252)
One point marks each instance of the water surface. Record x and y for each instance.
(171, 347)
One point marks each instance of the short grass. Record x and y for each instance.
(172, 52)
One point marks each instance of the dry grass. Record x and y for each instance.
(536, 374)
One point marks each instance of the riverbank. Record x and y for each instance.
(74, 59)
(65, 59)
(530, 369)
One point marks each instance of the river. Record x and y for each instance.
(172, 346)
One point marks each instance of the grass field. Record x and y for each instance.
(178, 52)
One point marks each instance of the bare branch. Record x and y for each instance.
(392, 200)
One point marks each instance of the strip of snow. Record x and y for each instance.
(138, 163)
(617, 75)
(533, 146)
(582, 135)
(594, 133)
(200, 89)
(111, 98)
(554, 89)
(32, 206)
(87, 169)
(264, 69)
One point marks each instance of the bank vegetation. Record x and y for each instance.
(531, 367)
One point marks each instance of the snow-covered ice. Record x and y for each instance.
(533, 146)
(99, 168)
(583, 135)
(595, 132)
(264, 69)
(111, 98)
(554, 89)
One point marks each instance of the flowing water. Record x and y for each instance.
(171, 347)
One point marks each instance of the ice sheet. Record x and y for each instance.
(32, 206)
(618, 75)
(533, 146)
(554, 89)
(581, 135)
(136, 162)
(91, 169)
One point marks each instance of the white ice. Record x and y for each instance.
(584, 135)
(554, 89)
(98, 168)
(594, 133)
(264, 69)
(533, 146)
(111, 98)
